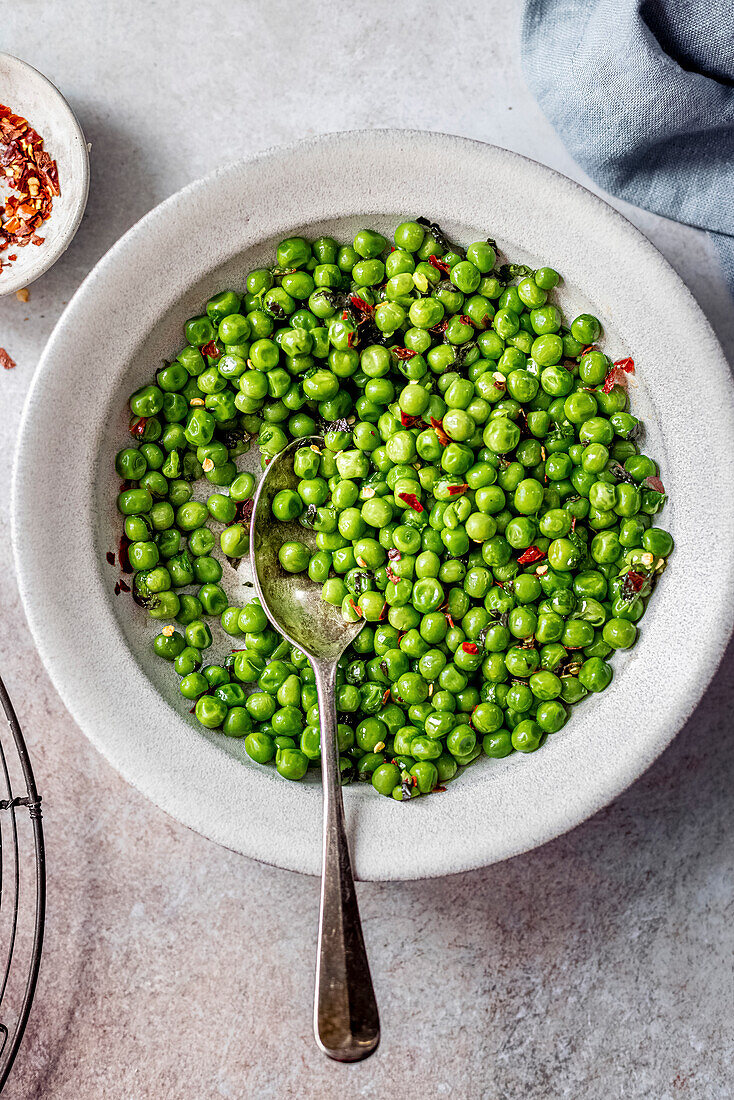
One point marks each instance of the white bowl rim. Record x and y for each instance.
(434, 852)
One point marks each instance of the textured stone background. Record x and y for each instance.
(598, 966)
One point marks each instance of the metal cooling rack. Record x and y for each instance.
(22, 886)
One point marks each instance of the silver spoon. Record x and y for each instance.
(346, 1020)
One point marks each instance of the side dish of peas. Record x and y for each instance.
(479, 500)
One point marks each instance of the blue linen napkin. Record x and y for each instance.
(642, 93)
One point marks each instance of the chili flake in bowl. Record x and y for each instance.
(33, 177)
(44, 174)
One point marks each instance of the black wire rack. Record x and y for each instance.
(22, 886)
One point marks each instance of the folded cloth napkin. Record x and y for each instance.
(642, 93)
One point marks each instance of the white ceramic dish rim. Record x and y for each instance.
(558, 787)
(64, 139)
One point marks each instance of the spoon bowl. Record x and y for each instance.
(293, 601)
(346, 1020)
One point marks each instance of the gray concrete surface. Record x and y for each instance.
(596, 967)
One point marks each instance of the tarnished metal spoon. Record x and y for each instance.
(346, 1020)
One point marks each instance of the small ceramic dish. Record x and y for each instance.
(128, 316)
(29, 94)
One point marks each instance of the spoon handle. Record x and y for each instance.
(346, 1021)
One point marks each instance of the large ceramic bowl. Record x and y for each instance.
(128, 316)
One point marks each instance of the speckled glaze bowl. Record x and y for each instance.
(127, 316)
(32, 96)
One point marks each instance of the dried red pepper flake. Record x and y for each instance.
(457, 490)
(354, 607)
(438, 428)
(403, 353)
(243, 512)
(345, 315)
(211, 350)
(470, 647)
(385, 696)
(573, 524)
(450, 621)
(394, 555)
(439, 264)
(411, 500)
(410, 421)
(635, 584)
(7, 362)
(362, 306)
(122, 554)
(466, 320)
(110, 557)
(391, 574)
(532, 554)
(617, 375)
(350, 339)
(33, 178)
(588, 348)
(124, 586)
(137, 425)
(439, 790)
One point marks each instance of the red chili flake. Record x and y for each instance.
(438, 790)
(392, 575)
(635, 580)
(653, 483)
(410, 421)
(211, 350)
(470, 647)
(588, 348)
(573, 523)
(437, 426)
(33, 178)
(345, 315)
(532, 554)
(457, 490)
(137, 425)
(414, 780)
(110, 557)
(439, 264)
(411, 500)
(384, 609)
(466, 320)
(122, 554)
(350, 339)
(243, 512)
(354, 607)
(450, 621)
(501, 386)
(385, 696)
(617, 375)
(394, 555)
(403, 353)
(362, 306)
(124, 587)
(7, 362)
